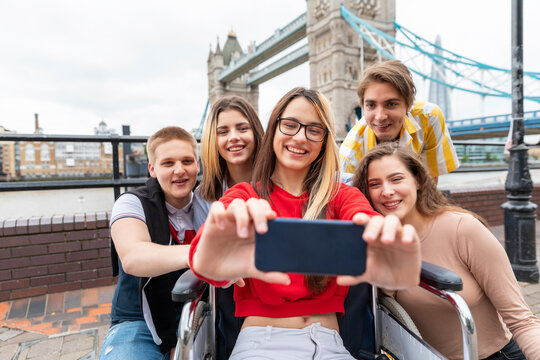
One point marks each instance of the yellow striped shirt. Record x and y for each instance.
(424, 132)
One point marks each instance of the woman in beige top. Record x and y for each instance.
(396, 182)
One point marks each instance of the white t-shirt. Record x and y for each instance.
(129, 205)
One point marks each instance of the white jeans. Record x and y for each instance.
(311, 342)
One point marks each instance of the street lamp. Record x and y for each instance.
(519, 212)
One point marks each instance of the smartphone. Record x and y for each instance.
(323, 247)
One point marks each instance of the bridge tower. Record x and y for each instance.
(438, 93)
(338, 56)
(219, 59)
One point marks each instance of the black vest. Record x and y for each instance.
(157, 289)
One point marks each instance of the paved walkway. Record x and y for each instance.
(66, 326)
(72, 325)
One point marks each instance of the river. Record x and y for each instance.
(21, 204)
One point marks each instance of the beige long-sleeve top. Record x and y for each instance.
(459, 242)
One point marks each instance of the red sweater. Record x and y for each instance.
(259, 298)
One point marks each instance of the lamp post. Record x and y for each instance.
(519, 212)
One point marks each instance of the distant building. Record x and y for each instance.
(48, 159)
(36, 158)
(103, 130)
(8, 168)
(76, 159)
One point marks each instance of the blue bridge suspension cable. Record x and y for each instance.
(477, 78)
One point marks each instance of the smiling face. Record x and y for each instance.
(385, 110)
(393, 189)
(175, 167)
(295, 154)
(235, 139)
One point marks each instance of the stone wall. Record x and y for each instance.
(53, 254)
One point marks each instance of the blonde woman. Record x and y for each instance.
(293, 315)
(230, 142)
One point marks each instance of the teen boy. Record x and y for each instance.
(386, 95)
(144, 224)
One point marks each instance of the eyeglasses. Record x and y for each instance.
(291, 127)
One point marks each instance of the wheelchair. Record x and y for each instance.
(374, 326)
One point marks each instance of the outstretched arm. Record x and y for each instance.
(225, 250)
(393, 253)
(139, 255)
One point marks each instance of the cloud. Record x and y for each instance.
(144, 63)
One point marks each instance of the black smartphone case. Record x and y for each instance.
(330, 247)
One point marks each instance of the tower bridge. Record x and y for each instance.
(345, 36)
(282, 39)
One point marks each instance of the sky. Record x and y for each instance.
(143, 63)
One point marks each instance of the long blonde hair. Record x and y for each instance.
(214, 166)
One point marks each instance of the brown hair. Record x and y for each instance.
(430, 201)
(322, 180)
(167, 134)
(214, 166)
(393, 72)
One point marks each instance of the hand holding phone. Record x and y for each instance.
(325, 247)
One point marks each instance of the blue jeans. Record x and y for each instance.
(510, 351)
(130, 340)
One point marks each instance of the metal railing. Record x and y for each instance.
(116, 182)
(492, 119)
(502, 167)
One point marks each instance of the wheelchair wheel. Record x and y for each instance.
(397, 310)
(200, 311)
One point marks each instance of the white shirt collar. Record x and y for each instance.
(173, 211)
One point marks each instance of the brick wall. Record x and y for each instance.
(487, 200)
(53, 254)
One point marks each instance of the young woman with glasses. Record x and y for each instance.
(295, 175)
(396, 182)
